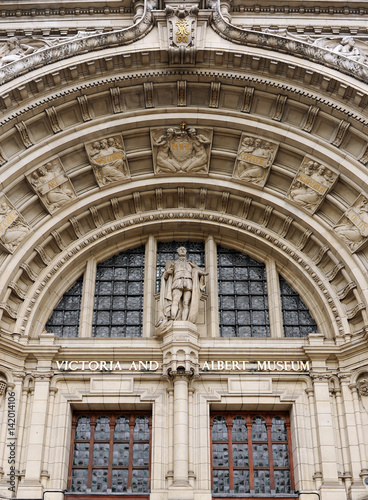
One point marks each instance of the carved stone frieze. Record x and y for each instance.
(52, 185)
(108, 160)
(352, 228)
(13, 227)
(254, 159)
(181, 25)
(311, 184)
(181, 151)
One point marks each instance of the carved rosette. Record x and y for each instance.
(352, 228)
(311, 184)
(52, 185)
(13, 227)
(181, 151)
(108, 160)
(254, 159)
(181, 26)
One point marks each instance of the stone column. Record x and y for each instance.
(331, 488)
(181, 420)
(31, 487)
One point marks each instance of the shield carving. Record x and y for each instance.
(181, 148)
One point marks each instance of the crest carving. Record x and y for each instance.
(311, 184)
(108, 160)
(254, 160)
(363, 386)
(181, 151)
(352, 228)
(52, 185)
(181, 23)
(13, 227)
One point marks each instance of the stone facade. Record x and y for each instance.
(129, 125)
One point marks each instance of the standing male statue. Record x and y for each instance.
(181, 286)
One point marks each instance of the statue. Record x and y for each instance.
(353, 226)
(13, 228)
(181, 151)
(181, 286)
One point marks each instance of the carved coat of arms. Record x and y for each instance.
(181, 151)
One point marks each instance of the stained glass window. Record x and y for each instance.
(242, 285)
(111, 453)
(251, 454)
(64, 321)
(167, 251)
(118, 306)
(298, 321)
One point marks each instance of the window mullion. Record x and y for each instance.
(211, 452)
(274, 299)
(131, 441)
(111, 446)
(288, 431)
(88, 298)
(91, 443)
(250, 453)
(270, 455)
(149, 287)
(230, 451)
(212, 287)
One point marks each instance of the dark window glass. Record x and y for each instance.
(111, 453)
(167, 251)
(251, 454)
(118, 307)
(242, 285)
(64, 321)
(298, 321)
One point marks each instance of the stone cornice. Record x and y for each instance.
(79, 46)
(284, 44)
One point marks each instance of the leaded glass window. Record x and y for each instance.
(111, 453)
(118, 306)
(298, 321)
(64, 321)
(251, 454)
(167, 251)
(243, 305)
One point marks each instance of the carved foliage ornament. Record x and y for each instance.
(181, 151)
(352, 228)
(311, 184)
(52, 185)
(108, 160)
(254, 159)
(13, 227)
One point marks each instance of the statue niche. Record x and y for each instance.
(181, 151)
(181, 285)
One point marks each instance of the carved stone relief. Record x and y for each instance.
(311, 184)
(254, 159)
(181, 151)
(362, 386)
(52, 185)
(352, 228)
(13, 228)
(181, 24)
(108, 160)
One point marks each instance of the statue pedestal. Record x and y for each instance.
(180, 348)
